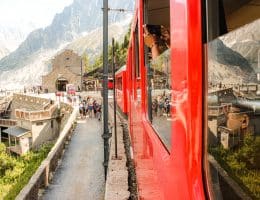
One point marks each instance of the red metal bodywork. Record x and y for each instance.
(110, 84)
(121, 94)
(175, 173)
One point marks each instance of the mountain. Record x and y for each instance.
(40, 62)
(76, 21)
(30, 74)
(233, 58)
(82, 16)
(246, 41)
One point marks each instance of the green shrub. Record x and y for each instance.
(17, 171)
(242, 164)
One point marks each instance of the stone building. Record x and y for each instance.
(66, 69)
(33, 122)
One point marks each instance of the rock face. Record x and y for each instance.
(233, 58)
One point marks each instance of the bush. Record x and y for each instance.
(16, 172)
(242, 164)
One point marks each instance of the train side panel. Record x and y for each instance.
(121, 90)
(173, 173)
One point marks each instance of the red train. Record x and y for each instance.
(185, 119)
(110, 83)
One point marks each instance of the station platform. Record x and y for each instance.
(80, 174)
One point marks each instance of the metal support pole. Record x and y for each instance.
(105, 82)
(114, 94)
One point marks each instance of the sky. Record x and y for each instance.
(38, 12)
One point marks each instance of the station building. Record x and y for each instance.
(66, 69)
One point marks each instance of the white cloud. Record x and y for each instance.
(38, 12)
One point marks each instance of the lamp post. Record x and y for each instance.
(106, 135)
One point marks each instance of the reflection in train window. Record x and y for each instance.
(119, 83)
(136, 46)
(157, 54)
(233, 104)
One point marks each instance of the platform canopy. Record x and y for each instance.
(16, 131)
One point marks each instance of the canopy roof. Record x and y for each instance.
(16, 131)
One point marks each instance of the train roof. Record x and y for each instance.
(123, 68)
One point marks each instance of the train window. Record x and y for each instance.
(119, 83)
(136, 40)
(232, 156)
(157, 54)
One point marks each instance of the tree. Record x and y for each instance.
(85, 62)
(120, 50)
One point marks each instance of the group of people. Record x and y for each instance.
(90, 107)
(161, 105)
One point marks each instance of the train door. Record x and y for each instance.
(231, 90)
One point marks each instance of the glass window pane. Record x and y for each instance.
(233, 103)
(156, 30)
(160, 91)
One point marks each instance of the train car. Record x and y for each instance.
(184, 146)
(120, 85)
(110, 83)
